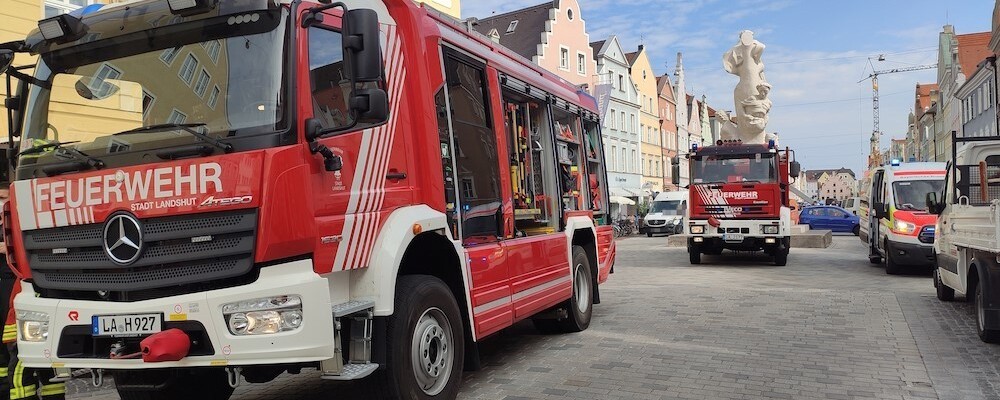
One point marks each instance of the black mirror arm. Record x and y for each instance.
(28, 78)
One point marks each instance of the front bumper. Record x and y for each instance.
(667, 229)
(312, 342)
(911, 254)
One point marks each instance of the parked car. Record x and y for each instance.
(831, 218)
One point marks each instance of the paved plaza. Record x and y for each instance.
(827, 326)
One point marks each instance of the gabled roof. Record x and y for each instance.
(973, 48)
(665, 87)
(527, 35)
(631, 57)
(597, 46)
(814, 174)
(923, 99)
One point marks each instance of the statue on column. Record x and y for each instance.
(751, 94)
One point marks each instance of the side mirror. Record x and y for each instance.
(361, 42)
(933, 206)
(6, 59)
(372, 105)
(878, 210)
(794, 169)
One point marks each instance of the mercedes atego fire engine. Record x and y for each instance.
(739, 199)
(208, 191)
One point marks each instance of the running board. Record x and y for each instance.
(352, 372)
(355, 319)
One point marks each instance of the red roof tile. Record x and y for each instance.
(923, 97)
(973, 48)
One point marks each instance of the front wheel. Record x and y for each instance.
(694, 256)
(891, 267)
(426, 357)
(986, 335)
(856, 231)
(944, 293)
(781, 257)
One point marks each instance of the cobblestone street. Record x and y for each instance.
(827, 326)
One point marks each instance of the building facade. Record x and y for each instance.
(618, 100)
(684, 138)
(958, 58)
(553, 35)
(979, 111)
(668, 129)
(450, 7)
(832, 185)
(897, 149)
(651, 161)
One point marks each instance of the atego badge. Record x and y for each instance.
(123, 238)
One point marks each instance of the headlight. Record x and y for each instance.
(770, 229)
(33, 326)
(264, 316)
(697, 229)
(904, 227)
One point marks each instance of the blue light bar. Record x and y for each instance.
(694, 146)
(771, 144)
(895, 162)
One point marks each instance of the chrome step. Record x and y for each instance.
(353, 372)
(352, 307)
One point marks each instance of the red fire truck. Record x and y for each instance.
(739, 199)
(210, 189)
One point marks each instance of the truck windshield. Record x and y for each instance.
(226, 77)
(669, 207)
(734, 168)
(912, 195)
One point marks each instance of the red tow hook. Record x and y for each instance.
(169, 345)
(714, 222)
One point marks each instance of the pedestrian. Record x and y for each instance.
(20, 383)
(7, 280)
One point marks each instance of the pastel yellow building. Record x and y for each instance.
(649, 121)
(124, 109)
(450, 7)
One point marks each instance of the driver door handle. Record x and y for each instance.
(395, 176)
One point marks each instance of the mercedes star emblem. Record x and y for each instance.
(123, 239)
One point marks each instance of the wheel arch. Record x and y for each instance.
(587, 239)
(414, 240)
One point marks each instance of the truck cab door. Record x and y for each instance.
(476, 210)
(874, 223)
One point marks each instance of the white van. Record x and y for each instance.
(852, 204)
(666, 214)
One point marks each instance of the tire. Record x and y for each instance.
(857, 230)
(781, 257)
(694, 256)
(425, 327)
(649, 234)
(986, 335)
(198, 383)
(944, 293)
(580, 307)
(877, 260)
(891, 268)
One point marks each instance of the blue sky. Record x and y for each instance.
(817, 50)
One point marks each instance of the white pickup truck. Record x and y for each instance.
(967, 242)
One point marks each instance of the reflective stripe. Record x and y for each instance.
(16, 390)
(53, 389)
(9, 333)
(3, 372)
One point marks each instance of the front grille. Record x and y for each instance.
(656, 222)
(73, 258)
(926, 235)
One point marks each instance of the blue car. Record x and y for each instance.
(831, 218)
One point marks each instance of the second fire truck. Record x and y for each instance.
(739, 199)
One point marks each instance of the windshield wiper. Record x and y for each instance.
(189, 128)
(82, 159)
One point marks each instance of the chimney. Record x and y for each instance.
(641, 46)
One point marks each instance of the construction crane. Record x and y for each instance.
(875, 158)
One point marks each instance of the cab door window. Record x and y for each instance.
(473, 152)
